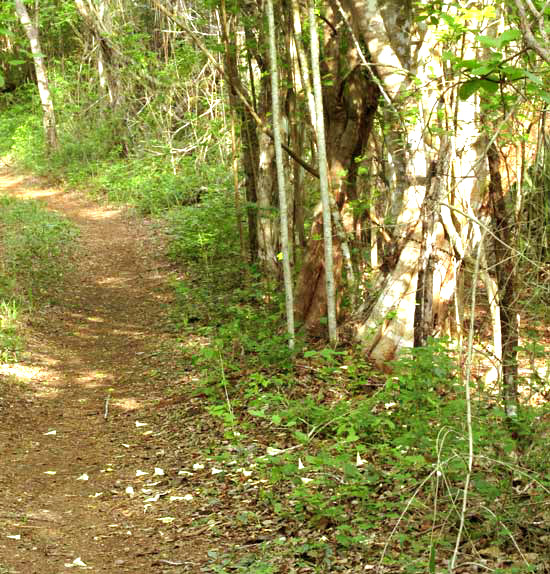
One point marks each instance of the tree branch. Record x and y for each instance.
(528, 35)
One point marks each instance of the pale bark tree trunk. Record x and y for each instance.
(386, 29)
(268, 232)
(491, 286)
(302, 59)
(266, 180)
(406, 58)
(289, 300)
(503, 246)
(323, 177)
(48, 113)
(424, 311)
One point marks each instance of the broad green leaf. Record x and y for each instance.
(509, 36)
(483, 70)
(513, 73)
(488, 86)
(468, 88)
(488, 41)
(533, 77)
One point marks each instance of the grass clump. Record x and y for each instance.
(35, 245)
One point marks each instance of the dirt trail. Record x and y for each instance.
(104, 332)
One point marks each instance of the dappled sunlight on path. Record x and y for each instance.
(70, 441)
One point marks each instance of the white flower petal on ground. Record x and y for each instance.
(166, 519)
(76, 562)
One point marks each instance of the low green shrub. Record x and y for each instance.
(35, 245)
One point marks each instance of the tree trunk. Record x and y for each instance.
(48, 114)
(405, 58)
(283, 210)
(350, 102)
(249, 139)
(506, 279)
(323, 178)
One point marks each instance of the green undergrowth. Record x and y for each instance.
(35, 249)
(360, 468)
(95, 155)
(21, 136)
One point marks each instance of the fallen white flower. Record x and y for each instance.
(76, 562)
(166, 519)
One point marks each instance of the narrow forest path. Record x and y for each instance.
(73, 498)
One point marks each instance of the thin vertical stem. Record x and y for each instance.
(323, 175)
(283, 209)
(469, 427)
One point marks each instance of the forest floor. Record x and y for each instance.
(114, 459)
(92, 475)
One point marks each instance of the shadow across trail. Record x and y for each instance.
(72, 446)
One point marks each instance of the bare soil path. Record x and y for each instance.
(76, 438)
